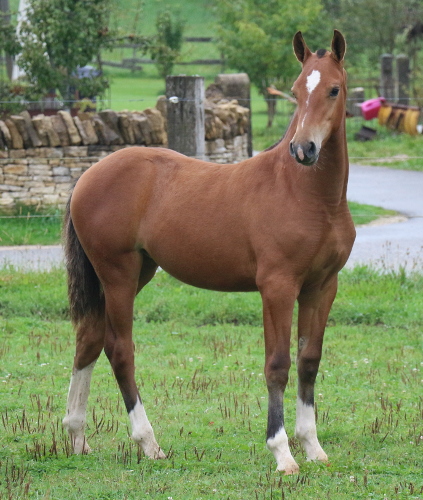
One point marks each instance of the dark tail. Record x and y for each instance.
(84, 288)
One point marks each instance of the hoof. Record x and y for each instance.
(153, 451)
(289, 469)
(80, 447)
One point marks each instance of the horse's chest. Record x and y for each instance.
(331, 248)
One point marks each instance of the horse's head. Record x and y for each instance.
(320, 91)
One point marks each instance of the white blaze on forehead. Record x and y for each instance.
(313, 80)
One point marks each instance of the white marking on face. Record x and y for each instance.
(313, 80)
(305, 431)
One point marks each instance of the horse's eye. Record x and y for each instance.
(334, 92)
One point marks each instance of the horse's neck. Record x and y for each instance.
(328, 178)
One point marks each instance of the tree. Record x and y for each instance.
(167, 43)
(374, 27)
(59, 36)
(256, 38)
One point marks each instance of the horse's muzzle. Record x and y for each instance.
(306, 153)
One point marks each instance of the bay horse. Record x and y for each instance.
(277, 223)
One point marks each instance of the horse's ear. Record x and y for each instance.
(301, 50)
(339, 46)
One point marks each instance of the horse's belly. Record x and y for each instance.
(206, 268)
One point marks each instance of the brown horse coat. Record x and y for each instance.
(277, 223)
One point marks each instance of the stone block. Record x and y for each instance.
(4, 131)
(54, 153)
(84, 136)
(64, 187)
(126, 127)
(89, 128)
(50, 123)
(17, 153)
(35, 152)
(19, 123)
(60, 127)
(142, 129)
(15, 169)
(35, 141)
(111, 119)
(38, 161)
(39, 125)
(60, 170)
(44, 170)
(62, 178)
(7, 187)
(161, 105)
(75, 151)
(157, 126)
(16, 138)
(35, 183)
(42, 190)
(51, 199)
(74, 137)
(7, 202)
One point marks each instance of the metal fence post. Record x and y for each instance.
(185, 115)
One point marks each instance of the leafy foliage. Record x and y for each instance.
(256, 38)
(59, 36)
(168, 42)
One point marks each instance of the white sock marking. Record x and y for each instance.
(74, 420)
(278, 445)
(305, 431)
(143, 433)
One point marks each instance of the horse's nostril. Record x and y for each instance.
(312, 149)
(291, 149)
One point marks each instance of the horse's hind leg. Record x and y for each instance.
(89, 344)
(122, 278)
(313, 312)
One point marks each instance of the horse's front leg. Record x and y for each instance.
(278, 304)
(314, 307)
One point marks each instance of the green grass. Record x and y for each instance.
(199, 359)
(31, 226)
(390, 149)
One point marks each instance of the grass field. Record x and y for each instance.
(199, 357)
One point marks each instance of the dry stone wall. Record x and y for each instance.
(41, 157)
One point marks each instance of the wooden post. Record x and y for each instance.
(387, 86)
(356, 97)
(237, 86)
(403, 78)
(185, 115)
